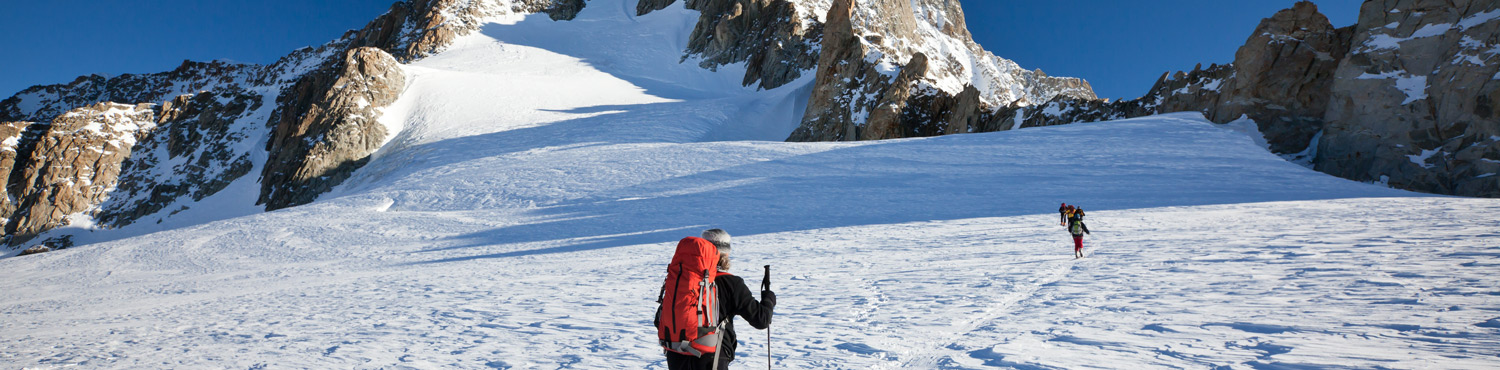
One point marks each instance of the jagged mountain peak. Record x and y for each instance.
(1405, 97)
(898, 29)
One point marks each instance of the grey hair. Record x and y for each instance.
(720, 238)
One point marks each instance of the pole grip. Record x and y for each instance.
(765, 282)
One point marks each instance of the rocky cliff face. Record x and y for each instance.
(776, 39)
(75, 165)
(72, 152)
(1405, 97)
(17, 141)
(895, 68)
(1282, 77)
(336, 132)
(201, 143)
(43, 103)
(414, 29)
(314, 111)
(884, 68)
(211, 118)
(325, 125)
(845, 80)
(1413, 105)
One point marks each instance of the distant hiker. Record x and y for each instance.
(1077, 228)
(698, 343)
(1063, 210)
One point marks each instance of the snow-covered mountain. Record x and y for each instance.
(519, 209)
(1402, 98)
(896, 68)
(308, 122)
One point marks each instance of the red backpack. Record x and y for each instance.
(688, 321)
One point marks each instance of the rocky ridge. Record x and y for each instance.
(882, 69)
(340, 119)
(194, 130)
(200, 145)
(777, 39)
(892, 68)
(313, 113)
(74, 166)
(42, 103)
(1404, 97)
(863, 53)
(1413, 105)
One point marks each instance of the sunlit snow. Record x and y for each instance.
(523, 216)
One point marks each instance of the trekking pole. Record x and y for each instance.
(765, 285)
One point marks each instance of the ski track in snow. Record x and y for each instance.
(523, 217)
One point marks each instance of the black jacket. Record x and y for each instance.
(735, 299)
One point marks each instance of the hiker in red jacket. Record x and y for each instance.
(734, 299)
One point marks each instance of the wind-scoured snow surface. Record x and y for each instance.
(524, 216)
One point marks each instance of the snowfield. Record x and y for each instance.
(524, 215)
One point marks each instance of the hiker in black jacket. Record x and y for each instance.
(1077, 228)
(734, 299)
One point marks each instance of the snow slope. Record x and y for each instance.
(523, 217)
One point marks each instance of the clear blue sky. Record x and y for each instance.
(1120, 47)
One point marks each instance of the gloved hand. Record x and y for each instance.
(768, 298)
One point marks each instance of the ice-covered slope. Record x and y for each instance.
(524, 214)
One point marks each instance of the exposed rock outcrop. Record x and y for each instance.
(1405, 97)
(17, 140)
(414, 29)
(212, 112)
(647, 6)
(845, 80)
(1282, 76)
(885, 118)
(1198, 90)
(865, 86)
(180, 158)
(192, 154)
(44, 102)
(331, 127)
(35, 250)
(565, 10)
(775, 41)
(75, 165)
(1413, 106)
(325, 122)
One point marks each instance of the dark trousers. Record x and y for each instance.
(676, 361)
